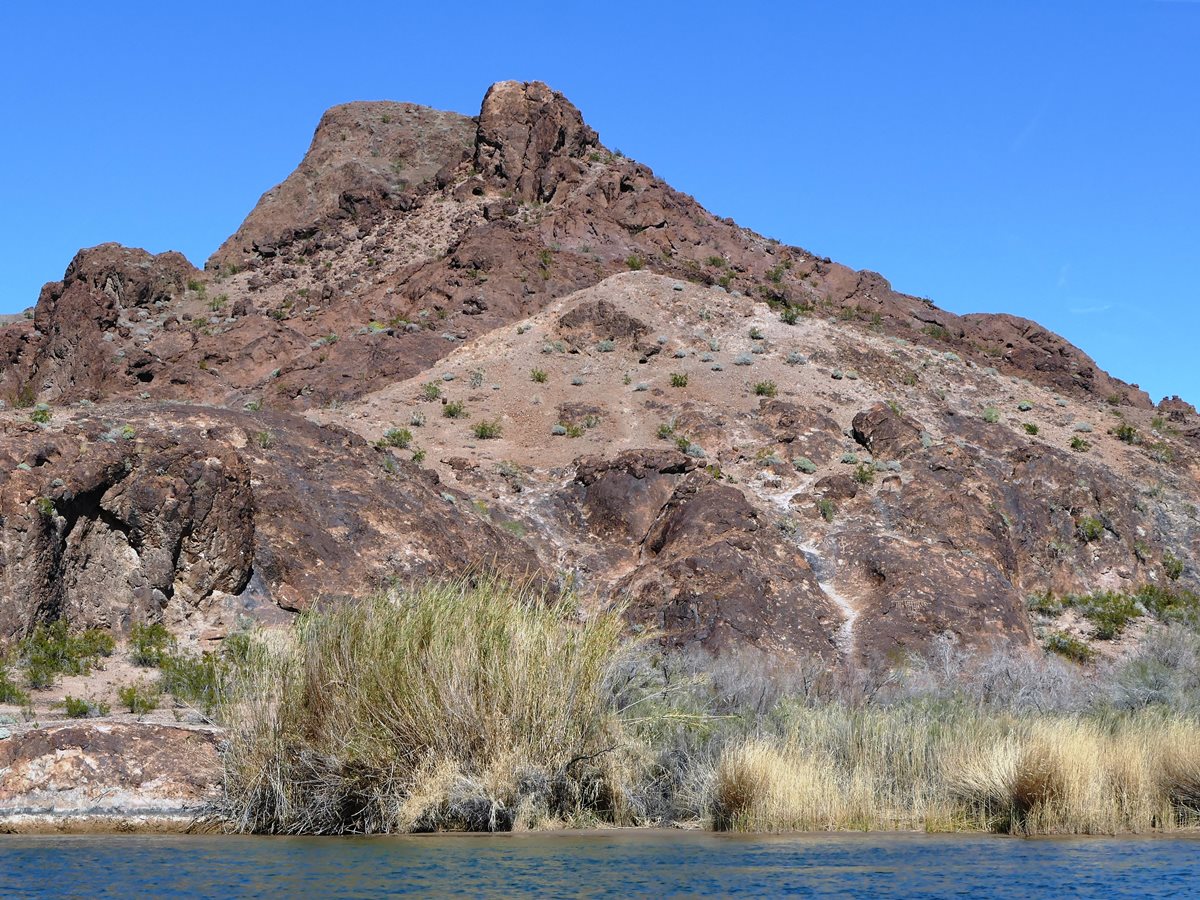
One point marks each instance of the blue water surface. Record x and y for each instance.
(604, 864)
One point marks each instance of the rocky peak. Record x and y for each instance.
(364, 154)
(530, 138)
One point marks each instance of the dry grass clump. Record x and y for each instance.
(938, 768)
(453, 706)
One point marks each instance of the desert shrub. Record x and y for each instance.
(937, 332)
(756, 334)
(666, 430)
(452, 705)
(606, 346)
(139, 698)
(396, 437)
(864, 473)
(487, 429)
(194, 678)
(10, 691)
(1070, 647)
(1172, 565)
(1030, 428)
(1090, 529)
(679, 380)
(991, 415)
(1126, 433)
(765, 389)
(77, 708)
(40, 414)
(634, 262)
(431, 390)
(789, 315)
(455, 409)
(1079, 445)
(1109, 611)
(148, 644)
(805, 465)
(52, 650)
(827, 508)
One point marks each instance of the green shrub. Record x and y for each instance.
(679, 380)
(139, 698)
(1126, 432)
(666, 430)
(77, 708)
(10, 691)
(937, 332)
(865, 473)
(431, 390)
(396, 437)
(756, 334)
(1079, 445)
(1090, 529)
(1069, 647)
(805, 465)
(148, 644)
(1172, 565)
(52, 650)
(486, 430)
(765, 389)
(538, 376)
(606, 346)
(991, 415)
(455, 409)
(40, 415)
(1169, 602)
(790, 315)
(827, 508)
(1030, 428)
(634, 262)
(1109, 611)
(194, 678)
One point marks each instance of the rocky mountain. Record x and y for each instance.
(447, 344)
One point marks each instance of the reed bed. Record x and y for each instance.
(486, 706)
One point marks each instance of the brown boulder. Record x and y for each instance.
(885, 432)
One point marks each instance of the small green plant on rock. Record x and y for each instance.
(827, 508)
(1079, 445)
(679, 380)
(40, 414)
(991, 415)
(1172, 565)
(765, 389)
(1030, 428)
(864, 473)
(1090, 529)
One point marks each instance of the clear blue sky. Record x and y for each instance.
(1039, 158)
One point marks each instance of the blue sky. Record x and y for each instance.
(1039, 158)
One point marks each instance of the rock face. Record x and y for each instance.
(703, 567)
(125, 773)
(578, 374)
(195, 516)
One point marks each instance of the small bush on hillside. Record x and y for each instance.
(865, 473)
(634, 262)
(679, 380)
(40, 415)
(139, 698)
(148, 644)
(1079, 445)
(455, 409)
(1172, 565)
(52, 650)
(827, 508)
(991, 415)
(77, 708)
(1030, 428)
(431, 390)
(1069, 647)
(487, 429)
(396, 437)
(1090, 529)
(538, 376)
(765, 389)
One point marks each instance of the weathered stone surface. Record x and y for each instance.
(886, 433)
(124, 772)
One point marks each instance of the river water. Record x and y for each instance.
(625, 864)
